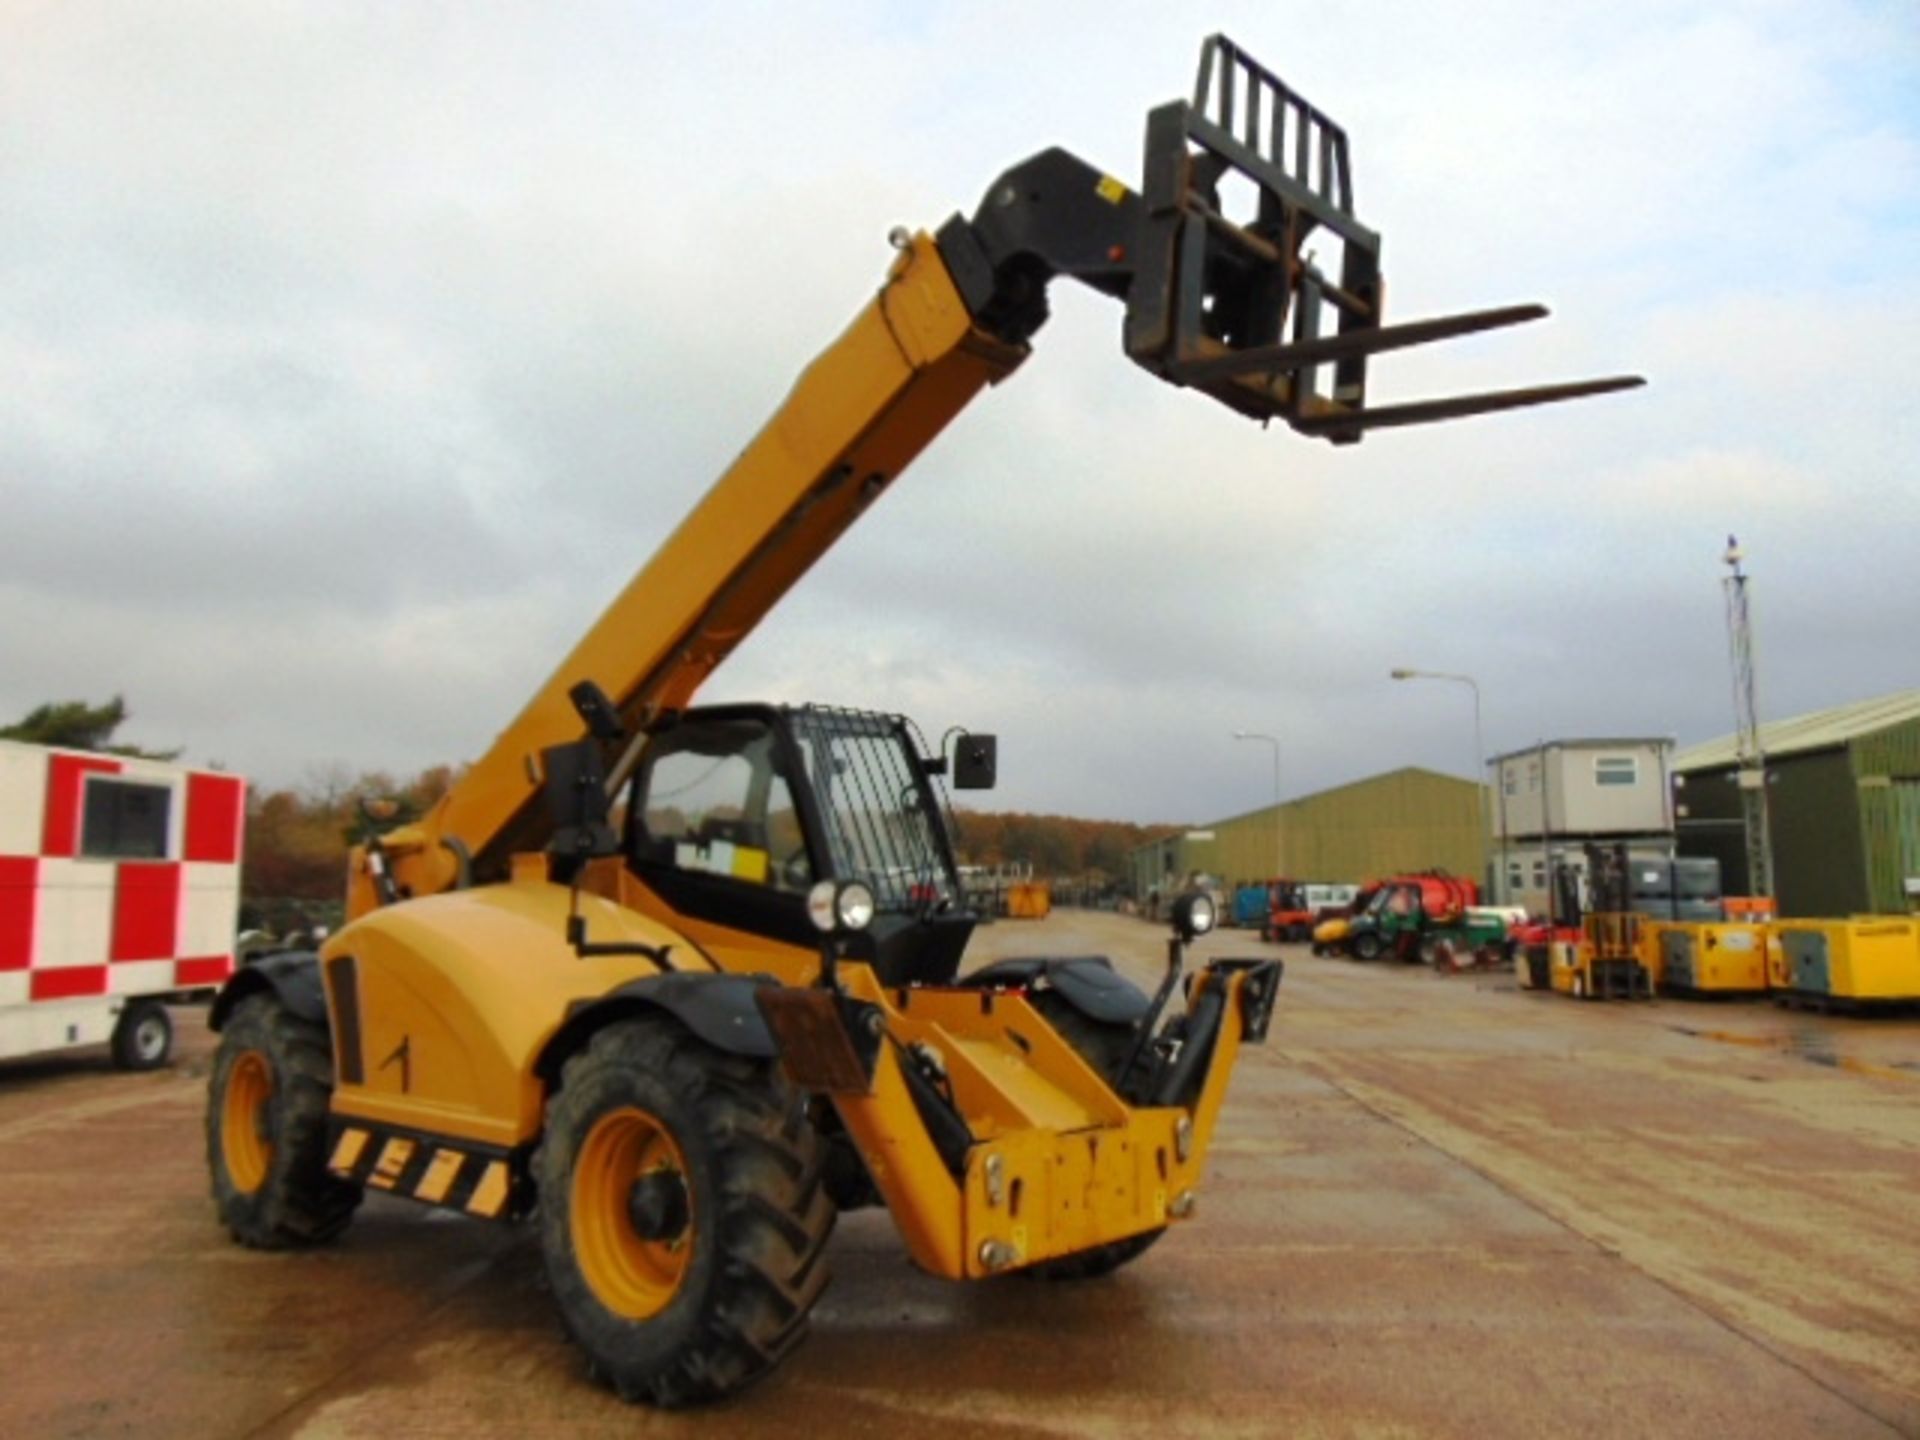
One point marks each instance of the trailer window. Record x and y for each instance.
(124, 820)
(1616, 770)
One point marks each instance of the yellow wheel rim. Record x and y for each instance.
(243, 1114)
(632, 1275)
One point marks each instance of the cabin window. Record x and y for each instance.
(1616, 770)
(713, 800)
(125, 820)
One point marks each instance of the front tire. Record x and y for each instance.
(682, 1213)
(143, 1036)
(1106, 1048)
(1367, 947)
(1097, 1260)
(267, 1130)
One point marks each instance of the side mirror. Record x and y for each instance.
(577, 801)
(975, 762)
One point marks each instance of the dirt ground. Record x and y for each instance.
(1436, 1207)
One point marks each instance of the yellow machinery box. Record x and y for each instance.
(1700, 957)
(1869, 957)
(1029, 900)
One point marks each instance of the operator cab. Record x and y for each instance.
(737, 811)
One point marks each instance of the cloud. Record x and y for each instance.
(355, 357)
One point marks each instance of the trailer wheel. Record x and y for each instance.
(267, 1130)
(143, 1036)
(1367, 946)
(683, 1213)
(1096, 1260)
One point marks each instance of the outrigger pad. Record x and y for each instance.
(1239, 305)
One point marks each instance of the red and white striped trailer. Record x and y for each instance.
(119, 890)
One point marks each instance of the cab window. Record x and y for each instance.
(712, 801)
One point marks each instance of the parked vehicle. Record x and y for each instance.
(1430, 916)
(1296, 906)
(119, 892)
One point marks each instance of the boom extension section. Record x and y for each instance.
(1239, 309)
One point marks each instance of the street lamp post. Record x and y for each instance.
(1492, 873)
(1274, 741)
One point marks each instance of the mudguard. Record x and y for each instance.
(292, 976)
(720, 1009)
(1089, 983)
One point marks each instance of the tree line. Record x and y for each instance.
(297, 836)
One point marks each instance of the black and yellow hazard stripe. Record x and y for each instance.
(476, 1179)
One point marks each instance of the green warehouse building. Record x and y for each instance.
(1407, 819)
(1843, 792)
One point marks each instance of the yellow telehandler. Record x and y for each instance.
(675, 984)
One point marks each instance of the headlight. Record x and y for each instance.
(1193, 914)
(834, 905)
(854, 906)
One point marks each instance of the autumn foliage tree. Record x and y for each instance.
(297, 839)
(1054, 845)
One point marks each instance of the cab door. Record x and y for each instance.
(717, 845)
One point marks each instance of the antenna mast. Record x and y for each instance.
(1751, 772)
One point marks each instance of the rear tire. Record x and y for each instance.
(695, 1298)
(267, 1130)
(143, 1036)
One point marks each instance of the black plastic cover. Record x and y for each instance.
(1089, 983)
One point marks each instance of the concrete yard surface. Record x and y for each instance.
(1436, 1206)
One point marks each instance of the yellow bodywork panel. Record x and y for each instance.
(858, 415)
(1060, 1162)
(454, 996)
(1332, 931)
(738, 951)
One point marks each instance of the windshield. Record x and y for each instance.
(877, 808)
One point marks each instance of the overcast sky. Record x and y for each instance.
(353, 356)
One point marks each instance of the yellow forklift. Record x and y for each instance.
(675, 984)
(1594, 945)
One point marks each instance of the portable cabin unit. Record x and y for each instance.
(119, 890)
(1555, 797)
